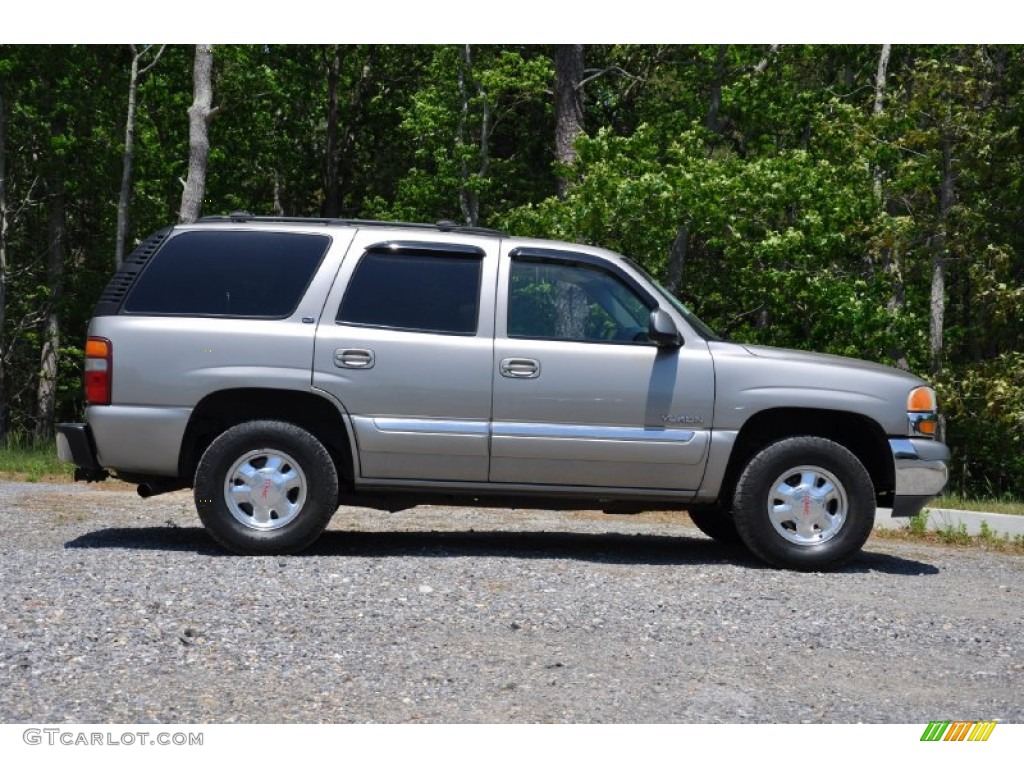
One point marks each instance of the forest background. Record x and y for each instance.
(863, 200)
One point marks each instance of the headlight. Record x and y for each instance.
(923, 411)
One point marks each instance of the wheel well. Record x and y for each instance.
(859, 434)
(221, 410)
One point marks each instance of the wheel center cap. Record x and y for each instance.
(268, 489)
(810, 505)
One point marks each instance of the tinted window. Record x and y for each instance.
(234, 274)
(414, 292)
(573, 302)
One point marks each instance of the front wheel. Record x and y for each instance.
(266, 487)
(806, 503)
(716, 523)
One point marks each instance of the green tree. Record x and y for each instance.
(466, 126)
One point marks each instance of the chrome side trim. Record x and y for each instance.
(581, 432)
(921, 468)
(418, 449)
(431, 426)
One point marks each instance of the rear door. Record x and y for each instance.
(405, 344)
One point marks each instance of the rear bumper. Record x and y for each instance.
(921, 473)
(76, 446)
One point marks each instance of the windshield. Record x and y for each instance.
(698, 325)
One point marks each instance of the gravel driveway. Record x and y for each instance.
(118, 609)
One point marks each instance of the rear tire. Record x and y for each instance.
(266, 487)
(805, 503)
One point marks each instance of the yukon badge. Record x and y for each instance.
(672, 418)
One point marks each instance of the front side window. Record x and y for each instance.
(427, 292)
(572, 301)
(228, 274)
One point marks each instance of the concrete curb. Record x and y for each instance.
(1013, 525)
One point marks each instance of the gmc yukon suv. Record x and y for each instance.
(284, 367)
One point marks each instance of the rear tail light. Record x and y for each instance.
(99, 364)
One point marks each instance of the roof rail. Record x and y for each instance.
(241, 217)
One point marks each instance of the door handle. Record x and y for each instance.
(519, 368)
(353, 358)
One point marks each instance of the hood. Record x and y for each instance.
(820, 358)
(752, 378)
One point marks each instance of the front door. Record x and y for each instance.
(581, 396)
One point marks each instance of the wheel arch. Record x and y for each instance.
(223, 409)
(861, 435)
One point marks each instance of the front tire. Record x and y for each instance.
(266, 487)
(716, 523)
(805, 503)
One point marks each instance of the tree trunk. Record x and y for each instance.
(199, 115)
(677, 260)
(3, 272)
(715, 105)
(468, 200)
(568, 109)
(129, 151)
(763, 64)
(278, 207)
(880, 77)
(571, 311)
(891, 264)
(357, 99)
(46, 393)
(332, 196)
(947, 197)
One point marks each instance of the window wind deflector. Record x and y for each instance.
(553, 255)
(421, 248)
(535, 255)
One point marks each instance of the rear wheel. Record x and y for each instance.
(266, 487)
(806, 503)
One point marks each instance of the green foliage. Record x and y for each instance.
(957, 535)
(22, 459)
(776, 245)
(465, 127)
(984, 407)
(953, 535)
(987, 534)
(1005, 504)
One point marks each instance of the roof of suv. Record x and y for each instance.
(243, 217)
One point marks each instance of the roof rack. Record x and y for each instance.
(241, 217)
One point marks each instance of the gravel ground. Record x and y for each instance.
(116, 609)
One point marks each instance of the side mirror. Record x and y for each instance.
(662, 329)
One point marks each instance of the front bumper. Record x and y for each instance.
(76, 446)
(921, 473)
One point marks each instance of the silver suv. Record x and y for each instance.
(284, 367)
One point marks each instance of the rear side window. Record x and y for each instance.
(434, 293)
(228, 274)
